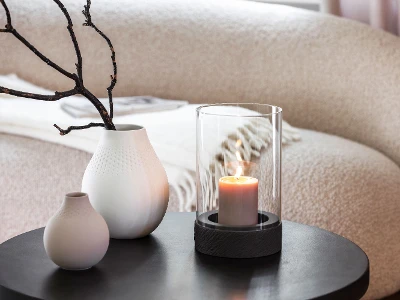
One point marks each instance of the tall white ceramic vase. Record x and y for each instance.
(127, 183)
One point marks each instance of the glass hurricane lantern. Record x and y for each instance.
(238, 180)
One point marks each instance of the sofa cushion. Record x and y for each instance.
(349, 189)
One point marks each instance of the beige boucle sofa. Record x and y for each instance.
(337, 79)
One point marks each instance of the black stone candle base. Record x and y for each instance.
(262, 239)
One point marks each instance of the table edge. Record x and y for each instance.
(343, 293)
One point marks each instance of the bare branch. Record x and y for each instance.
(70, 128)
(42, 57)
(79, 86)
(8, 15)
(73, 38)
(9, 28)
(101, 109)
(55, 97)
(12, 30)
(59, 95)
(88, 22)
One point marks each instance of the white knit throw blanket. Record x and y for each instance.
(172, 134)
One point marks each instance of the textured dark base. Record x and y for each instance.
(265, 220)
(238, 244)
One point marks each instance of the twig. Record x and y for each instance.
(8, 15)
(74, 41)
(9, 28)
(100, 107)
(55, 97)
(70, 128)
(88, 22)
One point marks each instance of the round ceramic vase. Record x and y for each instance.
(127, 183)
(76, 237)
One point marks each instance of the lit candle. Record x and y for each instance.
(238, 200)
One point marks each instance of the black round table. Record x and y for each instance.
(314, 263)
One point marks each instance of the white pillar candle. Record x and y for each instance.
(238, 200)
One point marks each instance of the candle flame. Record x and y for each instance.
(238, 156)
(239, 172)
(237, 146)
(239, 169)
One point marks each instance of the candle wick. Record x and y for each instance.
(239, 172)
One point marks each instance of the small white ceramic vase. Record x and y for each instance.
(76, 237)
(127, 183)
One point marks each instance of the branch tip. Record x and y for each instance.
(70, 128)
(88, 22)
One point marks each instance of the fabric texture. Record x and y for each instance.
(329, 74)
(349, 189)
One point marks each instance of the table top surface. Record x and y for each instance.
(314, 263)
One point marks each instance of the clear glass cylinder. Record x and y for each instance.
(239, 166)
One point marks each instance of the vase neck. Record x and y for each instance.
(125, 135)
(77, 200)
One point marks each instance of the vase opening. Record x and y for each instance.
(76, 195)
(127, 127)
